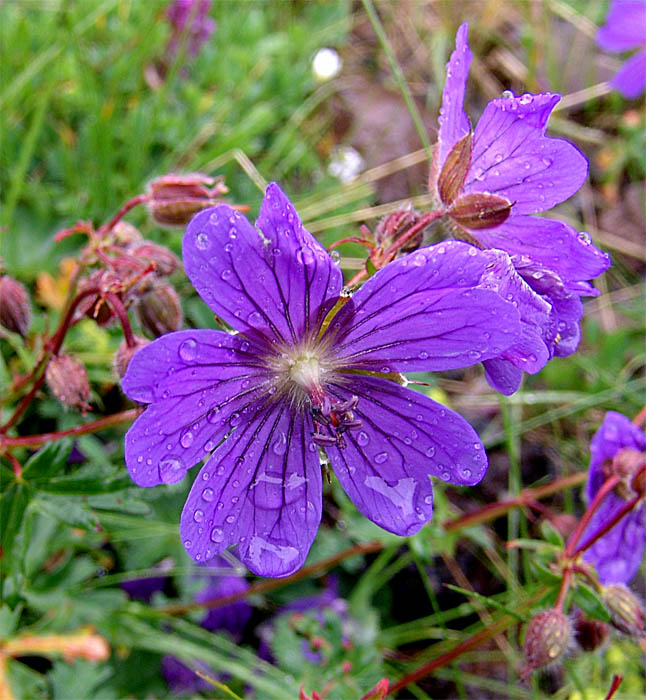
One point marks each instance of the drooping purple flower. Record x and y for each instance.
(618, 554)
(309, 369)
(190, 18)
(490, 182)
(624, 30)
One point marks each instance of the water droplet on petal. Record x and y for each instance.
(235, 419)
(198, 516)
(217, 535)
(226, 274)
(171, 470)
(208, 495)
(381, 457)
(363, 439)
(202, 240)
(186, 440)
(428, 500)
(188, 350)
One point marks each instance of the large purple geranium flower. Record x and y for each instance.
(618, 554)
(309, 369)
(491, 180)
(624, 30)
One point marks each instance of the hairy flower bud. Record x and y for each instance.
(125, 235)
(590, 634)
(546, 639)
(175, 199)
(93, 305)
(455, 169)
(165, 261)
(14, 305)
(159, 310)
(67, 379)
(626, 611)
(125, 353)
(394, 225)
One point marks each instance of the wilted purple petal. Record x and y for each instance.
(453, 122)
(513, 158)
(625, 26)
(294, 281)
(261, 489)
(405, 438)
(616, 555)
(421, 312)
(630, 79)
(197, 380)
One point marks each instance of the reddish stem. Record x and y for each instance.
(270, 584)
(120, 310)
(640, 419)
(351, 239)
(84, 429)
(134, 202)
(52, 346)
(608, 485)
(563, 590)
(16, 466)
(614, 686)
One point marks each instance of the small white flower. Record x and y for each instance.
(326, 64)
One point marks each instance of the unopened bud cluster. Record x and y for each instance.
(626, 611)
(547, 638)
(67, 379)
(175, 199)
(14, 305)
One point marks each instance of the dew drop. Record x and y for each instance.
(198, 516)
(217, 535)
(430, 452)
(202, 240)
(171, 470)
(235, 419)
(428, 500)
(381, 458)
(226, 274)
(305, 256)
(188, 544)
(230, 519)
(363, 439)
(208, 495)
(186, 440)
(188, 350)
(423, 355)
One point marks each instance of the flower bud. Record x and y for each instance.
(159, 310)
(590, 634)
(394, 225)
(546, 639)
(165, 261)
(626, 611)
(124, 354)
(175, 199)
(67, 379)
(14, 305)
(125, 235)
(455, 169)
(480, 210)
(93, 305)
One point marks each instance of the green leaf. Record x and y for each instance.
(13, 504)
(78, 680)
(542, 573)
(590, 603)
(48, 461)
(67, 510)
(551, 534)
(84, 485)
(9, 620)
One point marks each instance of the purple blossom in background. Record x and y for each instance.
(492, 181)
(233, 618)
(189, 18)
(309, 369)
(625, 29)
(618, 554)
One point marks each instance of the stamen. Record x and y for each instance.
(332, 419)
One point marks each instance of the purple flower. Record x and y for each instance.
(617, 554)
(491, 181)
(310, 369)
(625, 29)
(190, 18)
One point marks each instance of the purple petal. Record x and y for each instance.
(630, 79)
(199, 381)
(530, 351)
(453, 121)
(625, 26)
(293, 281)
(425, 312)
(503, 376)
(554, 244)
(513, 158)
(261, 490)
(618, 554)
(615, 433)
(232, 617)
(405, 438)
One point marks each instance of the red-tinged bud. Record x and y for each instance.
(94, 306)
(378, 692)
(175, 199)
(626, 611)
(165, 261)
(479, 211)
(394, 225)
(67, 379)
(159, 310)
(455, 169)
(125, 235)
(14, 305)
(125, 353)
(590, 634)
(547, 638)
